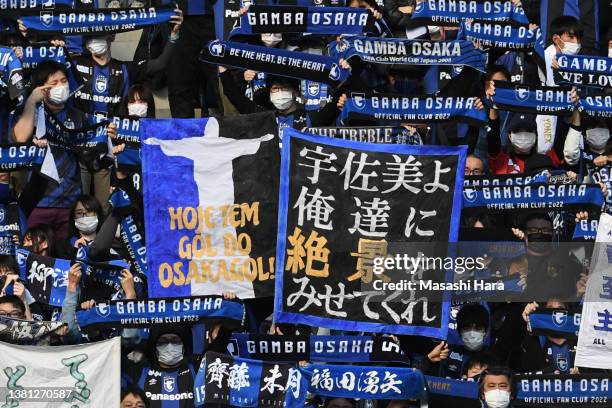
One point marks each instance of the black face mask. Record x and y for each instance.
(539, 243)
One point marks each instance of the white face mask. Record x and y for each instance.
(597, 138)
(271, 40)
(497, 398)
(170, 353)
(609, 52)
(137, 109)
(58, 95)
(282, 100)
(86, 224)
(523, 142)
(570, 48)
(473, 339)
(97, 46)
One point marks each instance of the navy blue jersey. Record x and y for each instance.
(168, 388)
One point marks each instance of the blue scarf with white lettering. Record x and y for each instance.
(562, 390)
(504, 36)
(505, 179)
(413, 109)
(21, 156)
(367, 382)
(131, 237)
(21, 5)
(160, 311)
(11, 74)
(96, 21)
(541, 100)
(585, 230)
(276, 61)
(452, 388)
(312, 20)
(223, 380)
(541, 197)
(128, 133)
(585, 70)
(331, 349)
(453, 12)
(555, 323)
(412, 52)
(598, 106)
(35, 54)
(374, 134)
(92, 137)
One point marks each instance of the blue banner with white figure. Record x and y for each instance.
(504, 36)
(411, 52)
(585, 70)
(211, 209)
(46, 278)
(11, 73)
(155, 312)
(312, 20)
(533, 197)
(367, 382)
(331, 349)
(300, 65)
(21, 156)
(128, 133)
(96, 21)
(562, 390)
(328, 258)
(130, 233)
(598, 106)
(411, 109)
(533, 99)
(554, 323)
(223, 380)
(453, 12)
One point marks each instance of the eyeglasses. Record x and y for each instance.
(474, 172)
(533, 230)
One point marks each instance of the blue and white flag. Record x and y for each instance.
(496, 35)
(155, 312)
(554, 323)
(544, 197)
(11, 73)
(543, 100)
(128, 133)
(453, 12)
(594, 347)
(295, 19)
(374, 134)
(329, 242)
(293, 64)
(599, 106)
(410, 52)
(411, 109)
(331, 349)
(584, 70)
(367, 382)
(96, 21)
(223, 380)
(211, 208)
(562, 390)
(46, 278)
